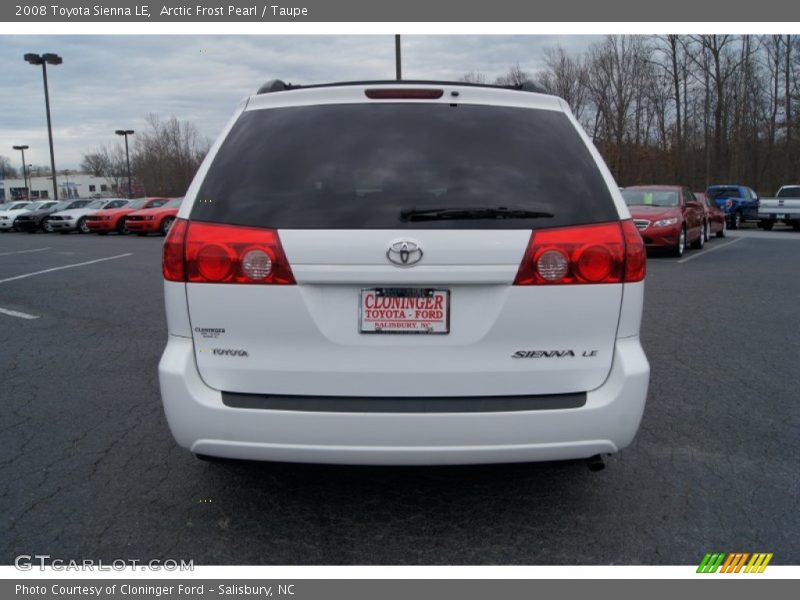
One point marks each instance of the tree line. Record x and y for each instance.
(693, 109)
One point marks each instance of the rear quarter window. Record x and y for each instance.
(353, 166)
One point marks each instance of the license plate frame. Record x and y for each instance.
(369, 324)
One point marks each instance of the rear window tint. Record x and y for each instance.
(789, 192)
(355, 166)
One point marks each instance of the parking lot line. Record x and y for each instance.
(88, 262)
(23, 251)
(692, 256)
(16, 313)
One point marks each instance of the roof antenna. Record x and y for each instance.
(397, 68)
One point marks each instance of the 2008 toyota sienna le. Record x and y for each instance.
(403, 273)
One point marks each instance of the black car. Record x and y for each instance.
(37, 220)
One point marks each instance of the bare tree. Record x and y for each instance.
(6, 170)
(515, 76)
(719, 65)
(617, 66)
(474, 77)
(166, 155)
(107, 162)
(675, 66)
(566, 77)
(95, 163)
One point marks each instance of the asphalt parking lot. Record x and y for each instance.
(90, 470)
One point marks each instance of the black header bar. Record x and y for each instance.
(464, 11)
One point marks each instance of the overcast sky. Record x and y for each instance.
(112, 82)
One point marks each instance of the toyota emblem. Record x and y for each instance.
(404, 253)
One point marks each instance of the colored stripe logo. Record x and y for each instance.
(735, 562)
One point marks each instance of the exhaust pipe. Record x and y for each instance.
(596, 463)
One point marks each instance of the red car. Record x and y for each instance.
(667, 216)
(154, 220)
(715, 216)
(115, 219)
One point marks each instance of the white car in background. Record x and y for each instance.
(75, 218)
(404, 273)
(15, 209)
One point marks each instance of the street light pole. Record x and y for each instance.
(126, 133)
(44, 60)
(24, 169)
(397, 60)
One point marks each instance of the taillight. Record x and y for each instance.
(603, 253)
(635, 253)
(728, 203)
(211, 253)
(172, 262)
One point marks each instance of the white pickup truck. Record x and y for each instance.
(784, 207)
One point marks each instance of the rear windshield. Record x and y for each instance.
(723, 192)
(790, 192)
(373, 165)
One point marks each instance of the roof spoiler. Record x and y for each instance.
(277, 85)
(274, 85)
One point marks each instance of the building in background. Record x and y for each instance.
(70, 185)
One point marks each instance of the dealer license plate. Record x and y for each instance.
(404, 310)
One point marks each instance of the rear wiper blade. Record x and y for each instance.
(500, 212)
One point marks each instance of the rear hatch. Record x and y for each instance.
(723, 196)
(404, 206)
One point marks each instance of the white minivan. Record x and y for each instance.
(403, 272)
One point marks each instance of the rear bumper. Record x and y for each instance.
(780, 215)
(202, 423)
